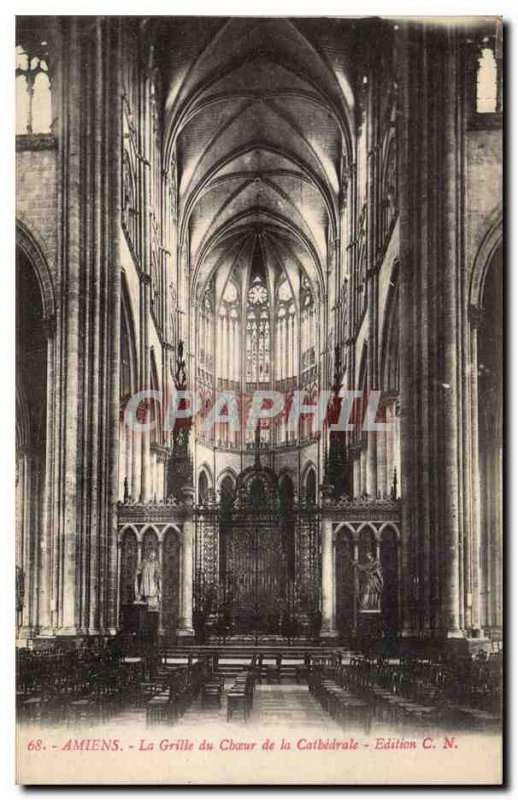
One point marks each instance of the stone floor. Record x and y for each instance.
(290, 705)
(276, 704)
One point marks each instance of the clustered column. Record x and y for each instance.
(431, 179)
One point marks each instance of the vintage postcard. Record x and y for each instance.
(259, 393)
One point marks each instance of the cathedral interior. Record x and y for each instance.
(226, 206)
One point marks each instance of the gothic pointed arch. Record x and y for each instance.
(28, 242)
(310, 483)
(488, 353)
(34, 328)
(490, 241)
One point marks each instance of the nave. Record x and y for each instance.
(273, 186)
(194, 689)
(279, 705)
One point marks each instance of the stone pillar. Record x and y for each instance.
(328, 577)
(396, 447)
(407, 147)
(494, 462)
(430, 143)
(449, 419)
(135, 464)
(286, 345)
(356, 586)
(117, 599)
(139, 554)
(382, 462)
(77, 580)
(356, 473)
(45, 589)
(160, 556)
(363, 469)
(371, 458)
(237, 353)
(475, 471)
(24, 537)
(70, 176)
(328, 626)
(373, 157)
(145, 317)
(185, 628)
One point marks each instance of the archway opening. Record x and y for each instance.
(203, 488)
(490, 423)
(31, 424)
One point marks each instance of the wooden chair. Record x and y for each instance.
(237, 703)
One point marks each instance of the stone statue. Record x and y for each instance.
(371, 584)
(148, 582)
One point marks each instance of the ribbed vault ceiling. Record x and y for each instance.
(259, 113)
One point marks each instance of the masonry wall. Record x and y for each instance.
(37, 193)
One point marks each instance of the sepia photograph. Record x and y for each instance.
(259, 400)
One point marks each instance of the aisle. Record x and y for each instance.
(275, 704)
(289, 705)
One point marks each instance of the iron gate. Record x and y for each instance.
(257, 562)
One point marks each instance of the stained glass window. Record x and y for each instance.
(33, 101)
(258, 356)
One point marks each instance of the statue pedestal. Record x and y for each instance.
(370, 628)
(138, 620)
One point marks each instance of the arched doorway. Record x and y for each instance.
(490, 442)
(31, 438)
